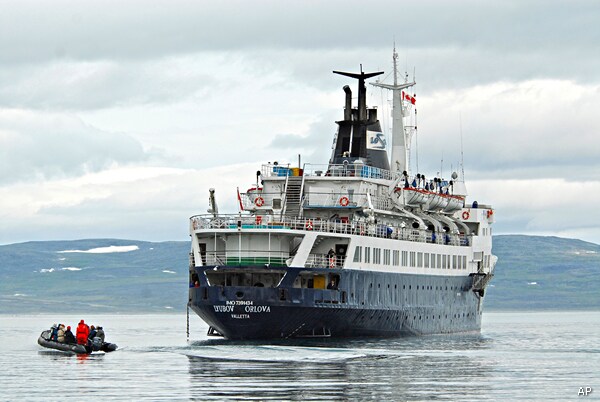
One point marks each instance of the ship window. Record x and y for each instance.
(367, 254)
(448, 262)
(454, 265)
(439, 261)
(276, 203)
(404, 258)
(386, 257)
(444, 261)
(396, 257)
(358, 254)
(412, 258)
(426, 260)
(464, 262)
(376, 255)
(419, 260)
(432, 260)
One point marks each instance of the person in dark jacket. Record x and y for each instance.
(69, 337)
(83, 331)
(100, 334)
(92, 333)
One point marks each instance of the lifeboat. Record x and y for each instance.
(410, 196)
(455, 203)
(436, 202)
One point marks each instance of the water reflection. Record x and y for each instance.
(395, 369)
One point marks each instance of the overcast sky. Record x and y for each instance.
(117, 116)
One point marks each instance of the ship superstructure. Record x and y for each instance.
(355, 247)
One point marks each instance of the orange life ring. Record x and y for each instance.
(331, 262)
(344, 201)
(489, 213)
(309, 225)
(259, 201)
(465, 215)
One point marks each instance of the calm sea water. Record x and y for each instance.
(536, 356)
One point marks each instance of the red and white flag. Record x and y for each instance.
(409, 98)
(240, 199)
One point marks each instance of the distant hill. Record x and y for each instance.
(536, 272)
(41, 277)
(129, 276)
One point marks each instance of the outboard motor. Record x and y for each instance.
(96, 343)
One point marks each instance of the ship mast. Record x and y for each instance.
(400, 141)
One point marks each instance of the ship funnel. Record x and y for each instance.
(362, 90)
(348, 108)
(359, 137)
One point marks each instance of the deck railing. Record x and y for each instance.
(329, 170)
(204, 222)
(255, 200)
(324, 260)
(245, 258)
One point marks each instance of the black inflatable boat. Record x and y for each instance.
(44, 340)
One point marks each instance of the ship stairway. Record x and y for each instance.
(480, 281)
(192, 260)
(293, 196)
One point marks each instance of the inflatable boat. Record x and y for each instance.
(45, 341)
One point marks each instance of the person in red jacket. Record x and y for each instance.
(82, 333)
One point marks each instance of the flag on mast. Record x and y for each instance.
(240, 199)
(409, 98)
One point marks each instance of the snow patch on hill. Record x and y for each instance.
(104, 250)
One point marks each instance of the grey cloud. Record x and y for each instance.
(72, 85)
(34, 147)
(138, 29)
(314, 147)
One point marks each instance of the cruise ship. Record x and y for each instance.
(359, 246)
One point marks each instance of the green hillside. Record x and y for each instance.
(535, 272)
(532, 273)
(38, 277)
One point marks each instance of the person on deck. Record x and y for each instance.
(69, 337)
(83, 332)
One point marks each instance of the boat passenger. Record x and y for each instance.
(100, 334)
(332, 284)
(82, 333)
(61, 333)
(54, 333)
(69, 337)
(92, 333)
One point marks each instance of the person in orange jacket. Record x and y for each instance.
(82, 333)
